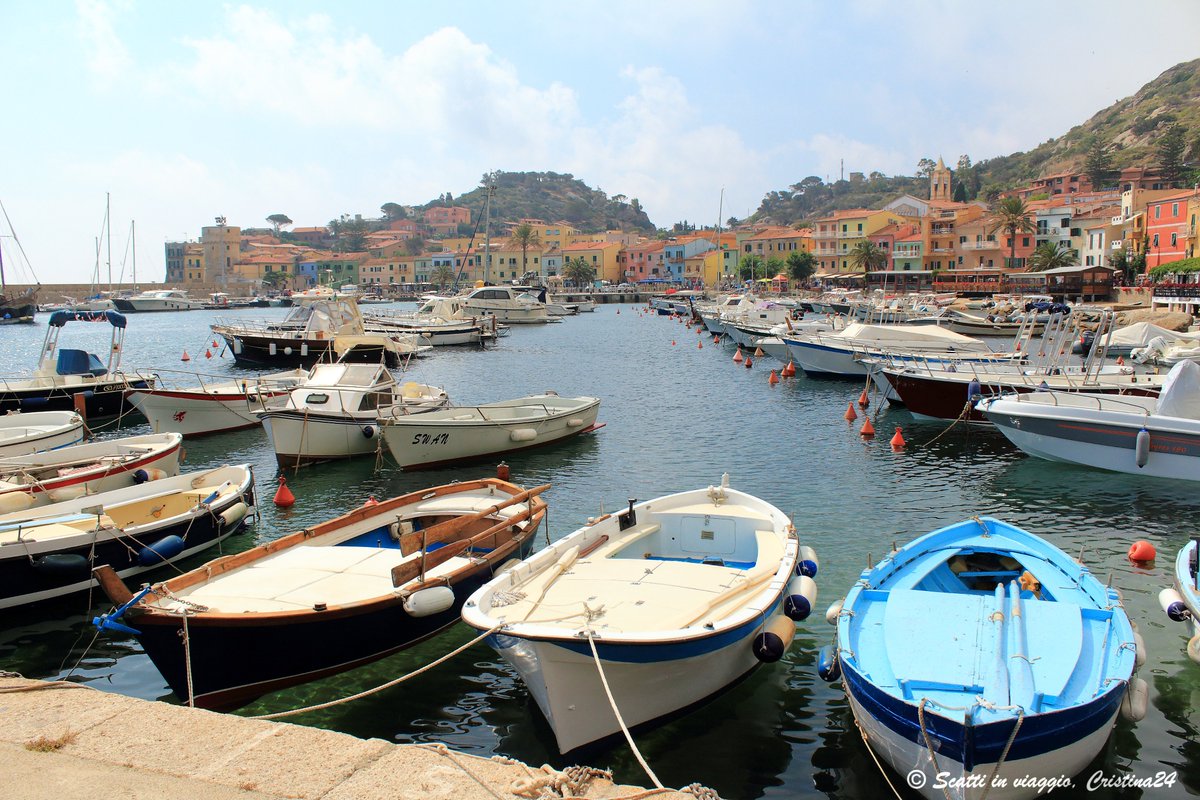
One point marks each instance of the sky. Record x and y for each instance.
(185, 111)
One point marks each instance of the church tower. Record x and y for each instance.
(939, 182)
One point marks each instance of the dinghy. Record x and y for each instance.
(667, 603)
(329, 598)
(211, 406)
(39, 431)
(39, 479)
(980, 654)
(50, 551)
(465, 433)
(1182, 601)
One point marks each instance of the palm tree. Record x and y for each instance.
(579, 272)
(868, 256)
(1012, 216)
(443, 275)
(1052, 255)
(525, 237)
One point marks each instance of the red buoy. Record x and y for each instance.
(790, 370)
(850, 414)
(186, 357)
(1141, 550)
(716, 340)
(868, 430)
(758, 352)
(1120, 361)
(208, 353)
(898, 439)
(749, 362)
(774, 378)
(672, 343)
(215, 345)
(737, 357)
(283, 495)
(699, 345)
(863, 400)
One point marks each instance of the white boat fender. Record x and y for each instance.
(1135, 701)
(1172, 603)
(161, 551)
(574, 422)
(801, 598)
(1139, 653)
(271, 348)
(140, 476)
(834, 611)
(368, 431)
(1193, 648)
(806, 562)
(16, 501)
(1141, 448)
(774, 639)
(523, 435)
(237, 346)
(67, 493)
(829, 667)
(427, 602)
(234, 514)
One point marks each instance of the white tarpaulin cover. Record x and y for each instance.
(1180, 395)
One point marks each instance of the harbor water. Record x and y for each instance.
(678, 414)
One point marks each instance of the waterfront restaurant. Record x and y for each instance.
(1079, 284)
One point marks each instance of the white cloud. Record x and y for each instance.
(107, 56)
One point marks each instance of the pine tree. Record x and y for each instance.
(1169, 150)
(1098, 164)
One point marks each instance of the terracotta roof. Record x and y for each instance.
(915, 237)
(317, 229)
(590, 245)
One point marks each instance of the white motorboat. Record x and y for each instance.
(1181, 602)
(508, 304)
(213, 404)
(1168, 350)
(837, 354)
(439, 321)
(51, 551)
(465, 433)
(335, 412)
(1157, 436)
(38, 431)
(52, 476)
(158, 300)
(670, 601)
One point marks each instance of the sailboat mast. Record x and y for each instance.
(133, 239)
(108, 234)
(487, 233)
(2, 286)
(720, 255)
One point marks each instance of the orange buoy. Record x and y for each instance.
(898, 439)
(215, 345)
(758, 352)
(208, 353)
(868, 430)
(371, 501)
(699, 345)
(774, 378)
(186, 357)
(737, 357)
(502, 471)
(850, 414)
(863, 400)
(749, 362)
(790, 370)
(1141, 550)
(716, 340)
(1120, 361)
(672, 343)
(283, 495)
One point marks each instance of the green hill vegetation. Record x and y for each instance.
(548, 196)
(1159, 126)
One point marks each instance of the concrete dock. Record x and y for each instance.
(70, 742)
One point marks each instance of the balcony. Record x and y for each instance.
(825, 235)
(1176, 291)
(992, 244)
(1053, 232)
(850, 234)
(942, 230)
(906, 254)
(942, 250)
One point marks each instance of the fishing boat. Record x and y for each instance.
(213, 404)
(511, 305)
(1181, 602)
(39, 431)
(980, 653)
(465, 433)
(75, 380)
(322, 326)
(1145, 435)
(665, 604)
(158, 300)
(50, 551)
(335, 412)
(39, 479)
(330, 598)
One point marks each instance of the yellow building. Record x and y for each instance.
(836, 236)
(600, 256)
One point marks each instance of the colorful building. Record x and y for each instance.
(1169, 228)
(642, 261)
(600, 256)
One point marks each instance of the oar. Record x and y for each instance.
(752, 582)
(444, 531)
(996, 689)
(405, 572)
(1021, 685)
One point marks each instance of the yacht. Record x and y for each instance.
(158, 300)
(514, 305)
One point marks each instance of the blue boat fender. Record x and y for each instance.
(1141, 448)
(773, 641)
(974, 391)
(141, 476)
(368, 431)
(806, 562)
(1172, 603)
(829, 667)
(1135, 701)
(427, 602)
(62, 564)
(163, 550)
(834, 611)
(801, 598)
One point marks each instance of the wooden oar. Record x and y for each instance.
(405, 572)
(445, 531)
(753, 582)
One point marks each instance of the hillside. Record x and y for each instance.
(551, 197)
(1130, 128)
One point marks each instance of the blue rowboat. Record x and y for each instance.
(980, 657)
(1182, 601)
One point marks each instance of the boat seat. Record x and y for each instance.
(79, 362)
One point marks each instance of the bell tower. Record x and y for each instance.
(939, 182)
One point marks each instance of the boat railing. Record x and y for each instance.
(1079, 399)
